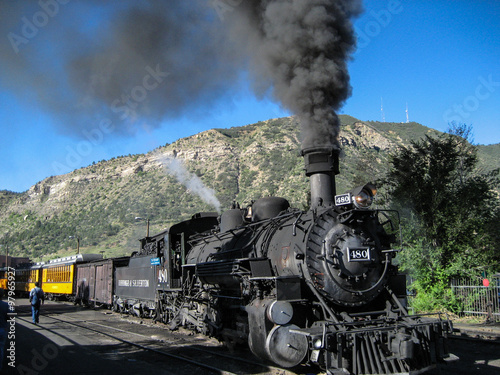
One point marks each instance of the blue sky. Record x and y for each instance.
(441, 58)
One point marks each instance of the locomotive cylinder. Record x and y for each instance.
(321, 166)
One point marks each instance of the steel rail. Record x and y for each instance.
(140, 346)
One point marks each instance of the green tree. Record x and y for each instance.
(449, 209)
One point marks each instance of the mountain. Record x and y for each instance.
(106, 205)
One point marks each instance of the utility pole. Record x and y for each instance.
(6, 255)
(77, 243)
(138, 218)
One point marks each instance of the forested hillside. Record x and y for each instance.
(106, 204)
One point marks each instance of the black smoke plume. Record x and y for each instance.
(299, 51)
(135, 63)
(141, 62)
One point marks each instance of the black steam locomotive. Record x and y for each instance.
(313, 286)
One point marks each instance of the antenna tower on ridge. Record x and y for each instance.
(382, 109)
(407, 117)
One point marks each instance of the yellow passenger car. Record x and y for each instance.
(58, 279)
(3, 278)
(59, 275)
(26, 277)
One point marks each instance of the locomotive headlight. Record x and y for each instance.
(363, 200)
(363, 196)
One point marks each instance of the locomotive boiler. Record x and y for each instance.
(316, 286)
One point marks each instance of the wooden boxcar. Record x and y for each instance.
(95, 280)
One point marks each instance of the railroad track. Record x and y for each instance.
(190, 354)
(476, 335)
(138, 339)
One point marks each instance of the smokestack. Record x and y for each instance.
(321, 165)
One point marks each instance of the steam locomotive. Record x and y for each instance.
(314, 286)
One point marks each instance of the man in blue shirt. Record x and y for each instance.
(36, 298)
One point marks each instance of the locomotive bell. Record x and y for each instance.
(321, 166)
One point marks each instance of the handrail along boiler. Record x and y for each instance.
(313, 286)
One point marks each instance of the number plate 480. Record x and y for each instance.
(343, 199)
(360, 254)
